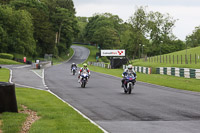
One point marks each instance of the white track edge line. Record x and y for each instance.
(79, 112)
(36, 73)
(74, 108)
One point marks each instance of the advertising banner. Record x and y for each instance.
(112, 52)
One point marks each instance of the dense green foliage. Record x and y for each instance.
(104, 29)
(16, 31)
(6, 56)
(34, 28)
(145, 34)
(193, 40)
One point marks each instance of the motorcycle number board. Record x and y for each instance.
(112, 52)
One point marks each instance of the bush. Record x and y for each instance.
(6, 56)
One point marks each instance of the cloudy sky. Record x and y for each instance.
(186, 11)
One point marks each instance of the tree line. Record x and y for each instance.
(146, 33)
(37, 27)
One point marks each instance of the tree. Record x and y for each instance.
(139, 29)
(193, 40)
(160, 30)
(105, 24)
(66, 27)
(106, 37)
(16, 31)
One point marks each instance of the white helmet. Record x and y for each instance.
(130, 66)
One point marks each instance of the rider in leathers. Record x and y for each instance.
(126, 71)
(82, 69)
(73, 65)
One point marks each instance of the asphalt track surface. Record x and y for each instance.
(149, 109)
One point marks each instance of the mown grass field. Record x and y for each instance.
(163, 80)
(154, 62)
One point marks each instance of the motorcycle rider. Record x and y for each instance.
(73, 65)
(82, 69)
(126, 71)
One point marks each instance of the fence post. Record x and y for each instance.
(163, 59)
(195, 59)
(186, 59)
(173, 59)
(190, 59)
(177, 59)
(157, 59)
(160, 58)
(181, 59)
(169, 59)
(166, 58)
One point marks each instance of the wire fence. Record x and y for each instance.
(174, 59)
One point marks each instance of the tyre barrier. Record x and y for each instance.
(145, 70)
(179, 72)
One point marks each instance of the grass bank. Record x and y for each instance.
(163, 80)
(8, 62)
(56, 116)
(155, 61)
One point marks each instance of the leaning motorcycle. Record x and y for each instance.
(129, 83)
(84, 78)
(73, 70)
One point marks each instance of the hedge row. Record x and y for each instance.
(6, 56)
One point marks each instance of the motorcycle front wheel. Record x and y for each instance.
(83, 84)
(73, 72)
(129, 89)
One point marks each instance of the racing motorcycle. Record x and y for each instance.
(84, 78)
(73, 70)
(129, 83)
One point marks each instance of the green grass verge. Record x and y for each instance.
(191, 51)
(8, 62)
(56, 116)
(12, 122)
(4, 75)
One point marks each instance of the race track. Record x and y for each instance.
(149, 109)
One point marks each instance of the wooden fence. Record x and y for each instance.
(174, 59)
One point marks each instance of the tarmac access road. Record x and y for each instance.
(149, 109)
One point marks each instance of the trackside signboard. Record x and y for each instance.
(112, 52)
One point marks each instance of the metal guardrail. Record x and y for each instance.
(100, 64)
(43, 64)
